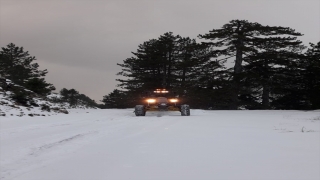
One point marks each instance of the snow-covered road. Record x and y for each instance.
(114, 144)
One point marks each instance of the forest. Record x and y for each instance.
(242, 65)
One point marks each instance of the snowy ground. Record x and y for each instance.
(114, 144)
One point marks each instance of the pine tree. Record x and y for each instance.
(74, 98)
(310, 67)
(142, 71)
(71, 96)
(175, 63)
(17, 65)
(116, 99)
(240, 38)
(275, 63)
(87, 101)
(233, 40)
(39, 86)
(207, 78)
(153, 65)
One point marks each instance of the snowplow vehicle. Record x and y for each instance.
(161, 100)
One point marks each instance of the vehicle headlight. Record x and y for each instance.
(151, 100)
(173, 100)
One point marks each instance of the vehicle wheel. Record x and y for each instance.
(185, 110)
(139, 110)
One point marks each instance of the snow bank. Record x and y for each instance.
(36, 105)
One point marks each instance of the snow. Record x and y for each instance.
(114, 144)
(9, 108)
(36, 105)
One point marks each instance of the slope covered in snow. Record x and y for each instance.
(34, 104)
(115, 144)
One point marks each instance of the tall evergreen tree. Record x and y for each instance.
(310, 67)
(275, 63)
(233, 40)
(172, 62)
(17, 64)
(153, 65)
(239, 38)
(206, 79)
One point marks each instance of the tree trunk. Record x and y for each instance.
(236, 77)
(164, 76)
(266, 88)
(265, 96)
(183, 82)
(168, 85)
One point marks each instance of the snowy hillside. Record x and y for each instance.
(35, 105)
(115, 144)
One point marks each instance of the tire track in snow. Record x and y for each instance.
(35, 159)
(58, 143)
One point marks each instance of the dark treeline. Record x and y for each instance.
(242, 65)
(20, 67)
(74, 98)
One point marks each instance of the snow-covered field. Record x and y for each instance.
(116, 145)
